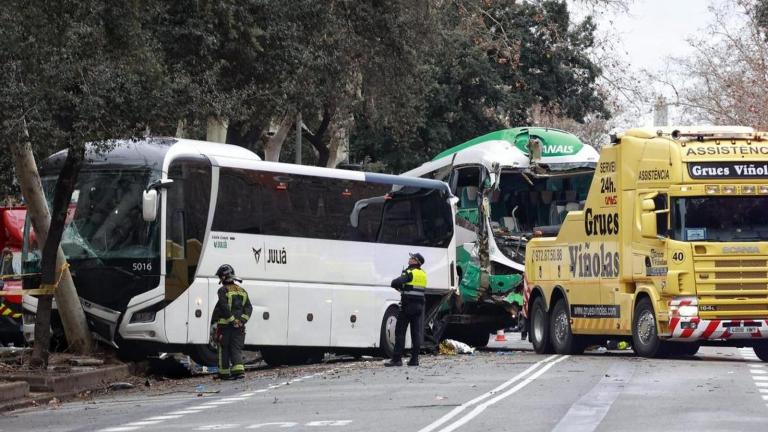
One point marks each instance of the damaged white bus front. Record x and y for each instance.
(510, 184)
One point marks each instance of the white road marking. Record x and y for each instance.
(758, 371)
(756, 366)
(164, 417)
(280, 424)
(454, 412)
(217, 427)
(761, 384)
(212, 404)
(480, 408)
(588, 412)
(759, 378)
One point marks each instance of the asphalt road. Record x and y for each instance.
(507, 387)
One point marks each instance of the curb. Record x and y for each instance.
(13, 391)
(73, 382)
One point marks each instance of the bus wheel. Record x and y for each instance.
(387, 339)
(205, 355)
(645, 337)
(563, 340)
(540, 327)
(761, 350)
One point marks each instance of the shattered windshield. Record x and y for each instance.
(104, 219)
(720, 218)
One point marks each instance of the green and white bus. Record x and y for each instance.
(528, 178)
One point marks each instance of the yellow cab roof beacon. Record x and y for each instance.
(669, 251)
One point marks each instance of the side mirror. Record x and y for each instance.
(150, 197)
(149, 205)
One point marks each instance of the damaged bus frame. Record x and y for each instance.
(510, 184)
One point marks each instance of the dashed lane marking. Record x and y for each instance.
(588, 412)
(208, 405)
(758, 372)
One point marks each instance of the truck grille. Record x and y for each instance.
(731, 287)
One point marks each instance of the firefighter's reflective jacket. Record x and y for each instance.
(233, 305)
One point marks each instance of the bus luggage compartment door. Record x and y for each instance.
(310, 307)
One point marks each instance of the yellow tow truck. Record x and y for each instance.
(668, 252)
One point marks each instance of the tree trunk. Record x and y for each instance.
(318, 139)
(338, 145)
(275, 143)
(181, 129)
(70, 309)
(217, 129)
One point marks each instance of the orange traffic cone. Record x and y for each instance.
(500, 337)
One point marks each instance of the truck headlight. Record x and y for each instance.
(684, 307)
(688, 311)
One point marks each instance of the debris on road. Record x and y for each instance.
(121, 386)
(452, 347)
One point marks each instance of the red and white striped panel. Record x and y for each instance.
(526, 295)
(716, 329)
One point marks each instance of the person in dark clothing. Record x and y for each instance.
(411, 284)
(232, 311)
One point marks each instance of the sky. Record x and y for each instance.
(650, 33)
(656, 29)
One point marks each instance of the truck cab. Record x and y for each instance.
(669, 252)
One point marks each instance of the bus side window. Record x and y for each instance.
(176, 249)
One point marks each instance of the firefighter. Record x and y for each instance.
(411, 285)
(230, 314)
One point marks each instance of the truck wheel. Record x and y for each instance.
(682, 349)
(540, 327)
(387, 338)
(645, 337)
(761, 350)
(563, 340)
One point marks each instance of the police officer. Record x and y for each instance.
(411, 285)
(232, 311)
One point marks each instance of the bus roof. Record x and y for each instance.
(555, 142)
(145, 153)
(560, 151)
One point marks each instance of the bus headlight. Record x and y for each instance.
(143, 316)
(729, 189)
(763, 189)
(712, 189)
(748, 189)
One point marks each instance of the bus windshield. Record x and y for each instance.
(104, 219)
(720, 218)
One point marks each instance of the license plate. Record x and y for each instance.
(742, 329)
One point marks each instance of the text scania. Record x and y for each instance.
(587, 264)
(600, 223)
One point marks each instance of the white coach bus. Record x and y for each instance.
(316, 248)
